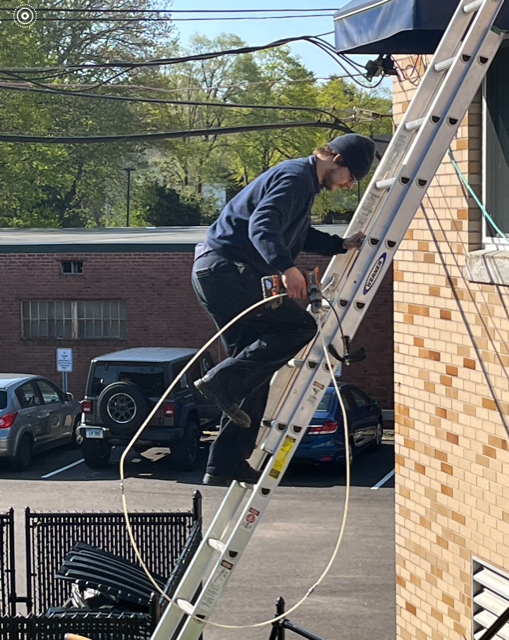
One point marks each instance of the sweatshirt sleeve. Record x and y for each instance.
(280, 207)
(323, 243)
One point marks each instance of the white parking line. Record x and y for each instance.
(384, 480)
(69, 466)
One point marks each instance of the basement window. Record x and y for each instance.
(491, 598)
(74, 267)
(73, 319)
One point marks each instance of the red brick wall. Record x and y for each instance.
(162, 310)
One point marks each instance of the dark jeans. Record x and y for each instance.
(258, 345)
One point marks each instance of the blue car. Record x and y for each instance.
(324, 441)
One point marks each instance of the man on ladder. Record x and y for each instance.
(260, 232)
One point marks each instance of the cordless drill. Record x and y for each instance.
(273, 286)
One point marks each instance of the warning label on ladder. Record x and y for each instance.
(282, 457)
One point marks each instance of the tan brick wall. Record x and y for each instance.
(451, 362)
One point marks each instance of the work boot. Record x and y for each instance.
(243, 473)
(231, 409)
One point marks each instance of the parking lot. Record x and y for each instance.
(289, 549)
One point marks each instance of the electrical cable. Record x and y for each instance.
(142, 87)
(474, 196)
(171, 11)
(194, 103)
(168, 135)
(129, 66)
(405, 75)
(142, 19)
(180, 59)
(151, 415)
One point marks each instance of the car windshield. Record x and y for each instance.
(326, 402)
(3, 399)
(149, 377)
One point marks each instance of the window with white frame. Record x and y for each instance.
(496, 150)
(73, 320)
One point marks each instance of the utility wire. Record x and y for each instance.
(67, 10)
(129, 66)
(193, 103)
(142, 87)
(142, 19)
(176, 60)
(166, 135)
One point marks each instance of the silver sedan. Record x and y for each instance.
(35, 415)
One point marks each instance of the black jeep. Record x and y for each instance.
(123, 388)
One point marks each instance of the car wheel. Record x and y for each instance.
(23, 458)
(184, 453)
(122, 408)
(378, 437)
(96, 453)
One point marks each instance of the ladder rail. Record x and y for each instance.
(404, 197)
(399, 146)
(403, 141)
(386, 214)
(204, 555)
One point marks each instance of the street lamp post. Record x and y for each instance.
(129, 170)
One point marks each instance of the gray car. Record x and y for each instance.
(35, 415)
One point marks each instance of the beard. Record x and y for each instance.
(328, 180)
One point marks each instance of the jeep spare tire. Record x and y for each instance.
(122, 408)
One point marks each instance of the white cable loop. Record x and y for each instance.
(150, 416)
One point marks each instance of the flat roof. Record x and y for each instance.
(112, 239)
(146, 354)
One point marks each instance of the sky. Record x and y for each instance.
(255, 32)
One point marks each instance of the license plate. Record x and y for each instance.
(95, 433)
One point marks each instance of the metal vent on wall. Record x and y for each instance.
(491, 598)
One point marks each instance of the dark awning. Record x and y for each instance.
(396, 26)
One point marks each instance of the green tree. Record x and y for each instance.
(79, 184)
(165, 207)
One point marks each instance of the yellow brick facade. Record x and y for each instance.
(451, 402)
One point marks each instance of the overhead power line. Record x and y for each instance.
(142, 87)
(176, 60)
(170, 19)
(192, 103)
(68, 10)
(167, 135)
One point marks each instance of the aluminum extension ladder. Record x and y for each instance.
(351, 281)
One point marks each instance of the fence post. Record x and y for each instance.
(12, 562)
(278, 631)
(28, 553)
(197, 506)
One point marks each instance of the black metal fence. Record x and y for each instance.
(123, 626)
(160, 538)
(7, 574)
(190, 548)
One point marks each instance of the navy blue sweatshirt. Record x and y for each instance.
(268, 223)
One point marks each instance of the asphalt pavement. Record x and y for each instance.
(287, 553)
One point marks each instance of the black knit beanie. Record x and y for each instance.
(357, 152)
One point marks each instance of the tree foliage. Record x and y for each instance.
(176, 181)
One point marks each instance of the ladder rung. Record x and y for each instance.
(415, 124)
(217, 545)
(186, 606)
(472, 6)
(385, 184)
(444, 65)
